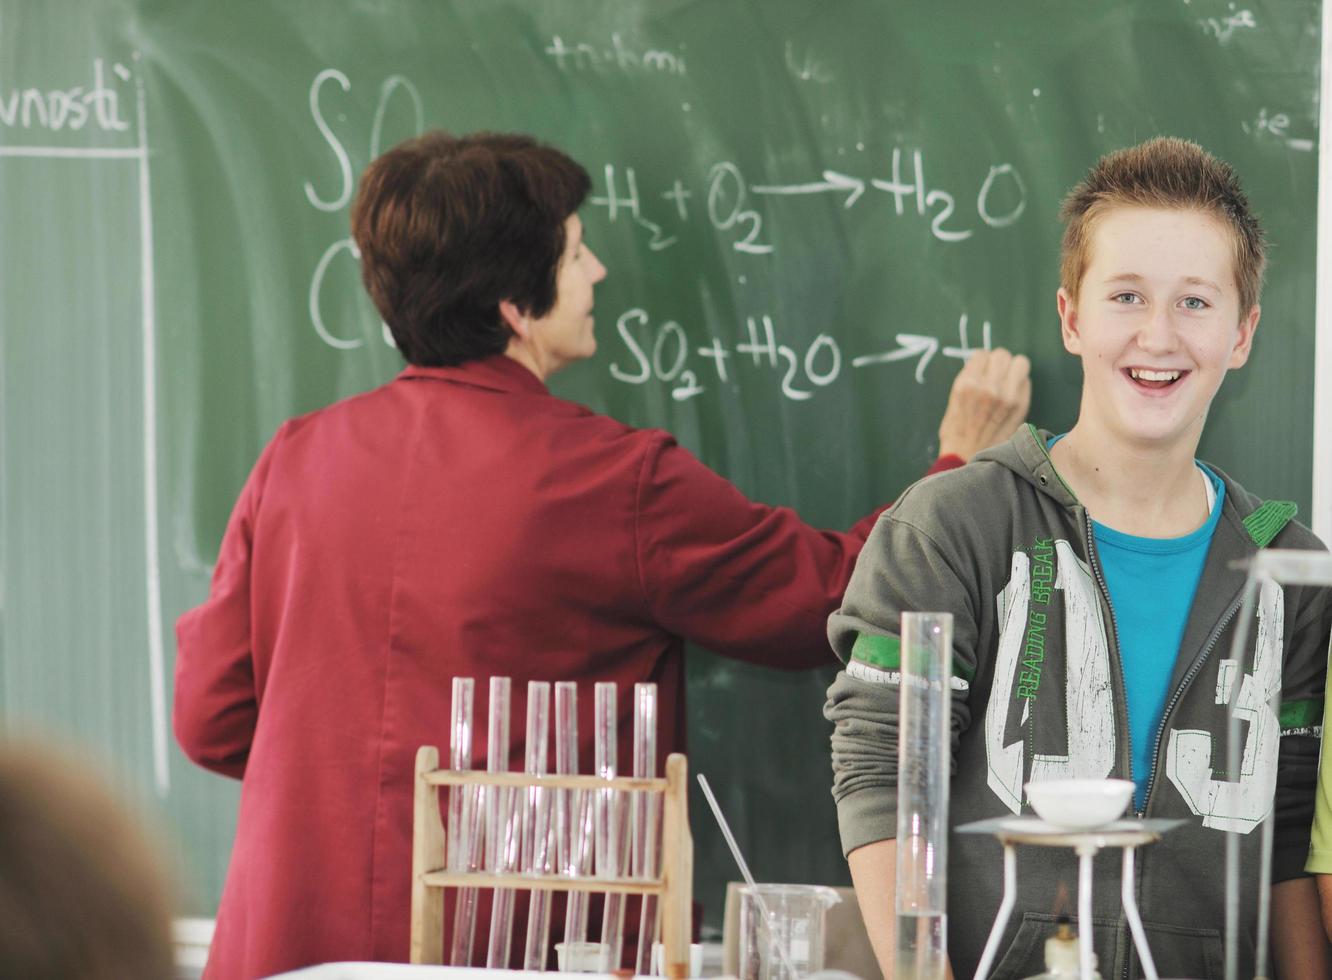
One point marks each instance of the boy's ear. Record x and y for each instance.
(1239, 354)
(1068, 322)
(515, 318)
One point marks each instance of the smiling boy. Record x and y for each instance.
(1091, 582)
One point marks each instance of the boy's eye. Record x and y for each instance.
(1126, 298)
(1194, 303)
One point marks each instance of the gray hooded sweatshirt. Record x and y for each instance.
(1004, 545)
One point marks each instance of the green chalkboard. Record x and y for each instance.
(809, 211)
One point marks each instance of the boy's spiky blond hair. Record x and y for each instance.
(1171, 174)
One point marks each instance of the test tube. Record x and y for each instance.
(573, 815)
(923, 770)
(603, 744)
(499, 823)
(612, 822)
(464, 827)
(536, 824)
(645, 822)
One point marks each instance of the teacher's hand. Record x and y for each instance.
(989, 400)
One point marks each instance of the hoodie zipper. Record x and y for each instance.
(1121, 712)
(1178, 693)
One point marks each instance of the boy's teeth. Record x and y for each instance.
(1142, 374)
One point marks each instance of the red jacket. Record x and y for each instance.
(455, 522)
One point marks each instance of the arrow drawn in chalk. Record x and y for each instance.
(832, 181)
(909, 345)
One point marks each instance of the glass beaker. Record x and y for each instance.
(795, 927)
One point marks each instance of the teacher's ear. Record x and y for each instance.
(516, 319)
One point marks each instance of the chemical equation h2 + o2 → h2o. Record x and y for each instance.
(729, 201)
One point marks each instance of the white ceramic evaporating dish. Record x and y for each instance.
(1079, 804)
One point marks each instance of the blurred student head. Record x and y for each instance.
(82, 895)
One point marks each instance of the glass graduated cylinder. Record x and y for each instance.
(923, 773)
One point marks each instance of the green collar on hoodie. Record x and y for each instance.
(1266, 522)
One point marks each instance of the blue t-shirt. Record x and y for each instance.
(1152, 582)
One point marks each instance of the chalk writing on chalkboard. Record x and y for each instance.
(1000, 200)
(1223, 28)
(1276, 125)
(798, 373)
(67, 108)
(667, 355)
(615, 56)
(392, 89)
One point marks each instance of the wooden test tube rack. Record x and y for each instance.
(429, 846)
